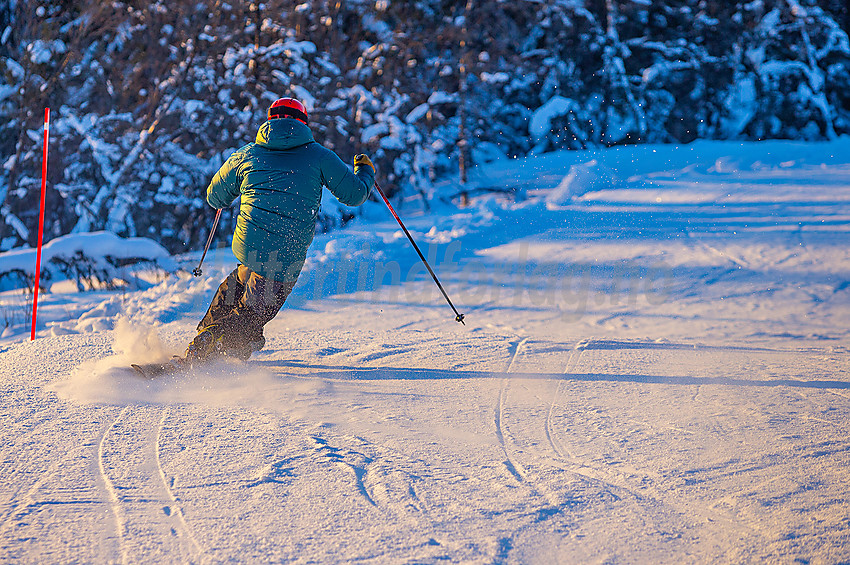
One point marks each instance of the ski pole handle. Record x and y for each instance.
(197, 270)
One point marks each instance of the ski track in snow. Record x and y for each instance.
(195, 551)
(114, 499)
(512, 466)
(589, 471)
(131, 470)
(550, 504)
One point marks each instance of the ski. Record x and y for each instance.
(153, 370)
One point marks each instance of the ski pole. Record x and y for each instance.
(458, 316)
(197, 270)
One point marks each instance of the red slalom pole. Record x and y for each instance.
(40, 222)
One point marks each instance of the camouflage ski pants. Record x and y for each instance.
(243, 304)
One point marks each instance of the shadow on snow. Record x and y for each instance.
(404, 373)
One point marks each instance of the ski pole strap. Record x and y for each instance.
(458, 316)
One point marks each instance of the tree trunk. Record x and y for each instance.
(463, 142)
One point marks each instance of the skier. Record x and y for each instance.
(279, 178)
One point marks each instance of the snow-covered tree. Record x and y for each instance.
(148, 99)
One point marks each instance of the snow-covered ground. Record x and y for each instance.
(654, 369)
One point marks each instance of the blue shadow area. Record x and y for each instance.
(413, 374)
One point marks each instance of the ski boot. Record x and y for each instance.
(243, 351)
(205, 346)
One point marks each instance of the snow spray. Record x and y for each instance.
(109, 380)
(40, 222)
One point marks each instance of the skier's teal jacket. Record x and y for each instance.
(280, 178)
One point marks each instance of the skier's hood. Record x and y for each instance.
(283, 133)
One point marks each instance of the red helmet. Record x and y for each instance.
(288, 108)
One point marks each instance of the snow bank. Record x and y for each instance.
(105, 253)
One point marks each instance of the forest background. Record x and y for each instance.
(149, 98)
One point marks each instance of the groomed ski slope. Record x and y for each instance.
(654, 370)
